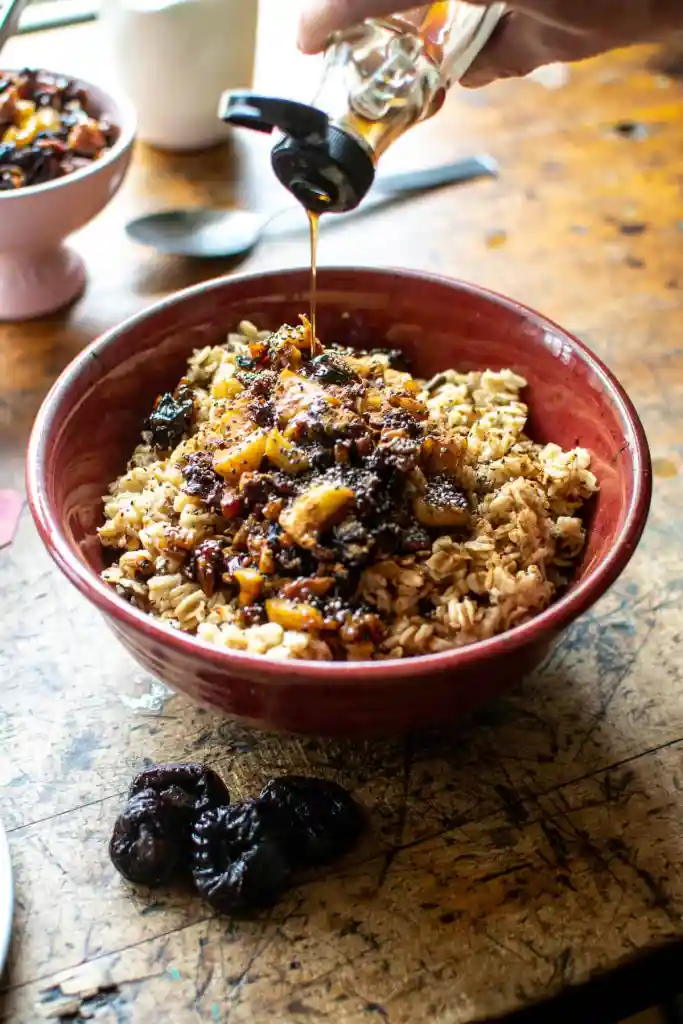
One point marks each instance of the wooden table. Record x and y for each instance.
(509, 857)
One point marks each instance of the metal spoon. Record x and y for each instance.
(215, 234)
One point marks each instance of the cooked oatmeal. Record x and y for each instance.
(337, 508)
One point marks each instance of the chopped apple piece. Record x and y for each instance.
(243, 457)
(294, 615)
(313, 510)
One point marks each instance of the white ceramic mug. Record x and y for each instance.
(174, 58)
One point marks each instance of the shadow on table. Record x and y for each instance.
(651, 980)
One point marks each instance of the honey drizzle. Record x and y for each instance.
(314, 223)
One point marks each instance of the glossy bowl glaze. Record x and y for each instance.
(38, 273)
(90, 422)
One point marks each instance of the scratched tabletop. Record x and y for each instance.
(507, 857)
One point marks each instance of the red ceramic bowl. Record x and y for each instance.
(90, 421)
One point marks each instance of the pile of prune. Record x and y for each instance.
(47, 128)
(178, 822)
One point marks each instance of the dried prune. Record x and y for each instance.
(238, 862)
(319, 819)
(147, 845)
(68, 115)
(171, 418)
(207, 565)
(353, 543)
(183, 788)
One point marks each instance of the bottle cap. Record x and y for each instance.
(333, 177)
(323, 166)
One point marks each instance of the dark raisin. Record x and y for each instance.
(148, 844)
(346, 581)
(261, 383)
(183, 787)
(171, 418)
(320, 819)
(295, 561)
(363, 627)
(285, 485)
(320, 457)
(399, 419)
(202, 481)
(415, 538)
(245, 363)
(238, 863)
(388, 537)
(330, 369)
(262, 413)
(207, 565)
(10, 178)
(254, 614)
(398, 453)
(256, 489)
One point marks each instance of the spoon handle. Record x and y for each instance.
(434, 177)
(392, 187)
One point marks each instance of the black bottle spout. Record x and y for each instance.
(323, 166)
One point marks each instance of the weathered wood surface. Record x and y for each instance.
(518, 853)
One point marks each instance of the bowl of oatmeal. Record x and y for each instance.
(374, 528)
(65, 145)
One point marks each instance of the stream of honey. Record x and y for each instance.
(314, 224)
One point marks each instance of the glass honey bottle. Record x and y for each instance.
(380, 78)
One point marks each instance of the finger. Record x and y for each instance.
(320, 18)
(521, 43)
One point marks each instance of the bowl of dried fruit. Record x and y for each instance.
(370, 529)
(65, 146)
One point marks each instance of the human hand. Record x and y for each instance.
(530, 34)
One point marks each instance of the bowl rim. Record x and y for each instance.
(557, 616)
(127, 116)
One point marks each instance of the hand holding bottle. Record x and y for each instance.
(532, 33)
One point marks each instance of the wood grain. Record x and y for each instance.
(514, 855)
